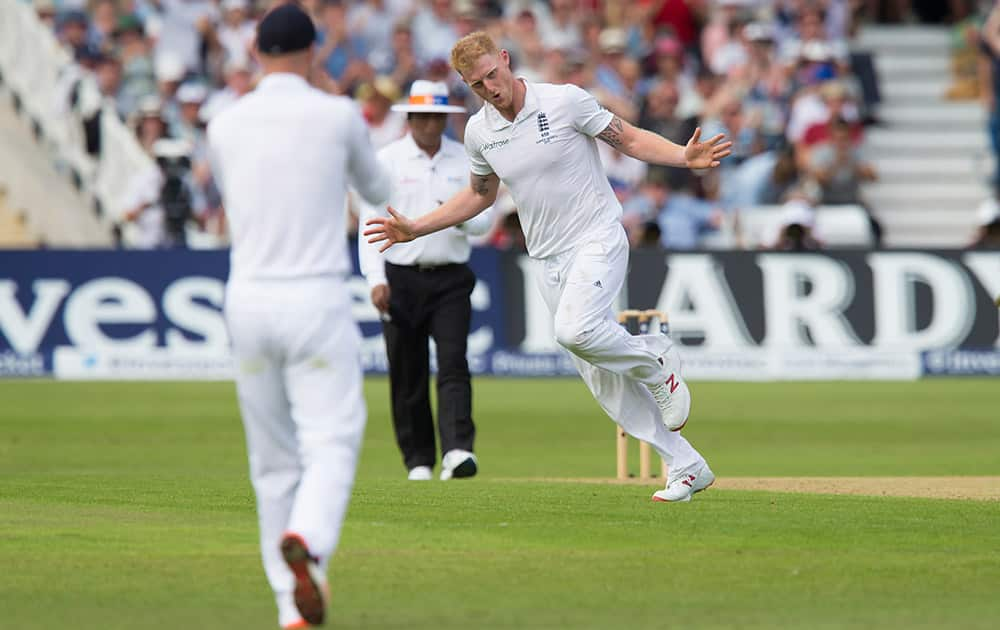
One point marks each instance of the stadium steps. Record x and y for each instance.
(53, 210)
(932, 155)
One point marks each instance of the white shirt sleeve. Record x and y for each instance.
(588, 115)
(370, 260)
(368, 176)
(477, 162)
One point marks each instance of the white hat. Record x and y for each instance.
(816, 50)
(612, 40)
(171, 148)
(232, 5)
(759, 31)
(797, 211)
(238, 63)
(191, 93)
(988, 212)
(149, 106)
(428, 97)
(169, 67)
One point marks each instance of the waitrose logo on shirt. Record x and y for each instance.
(496, 144)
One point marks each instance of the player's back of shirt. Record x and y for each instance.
(284, 156)
(549, 160)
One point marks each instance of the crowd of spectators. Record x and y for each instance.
(781, 78)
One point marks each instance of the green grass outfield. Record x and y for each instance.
(128, 506)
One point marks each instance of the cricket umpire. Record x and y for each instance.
(422, 290)
(284, 156)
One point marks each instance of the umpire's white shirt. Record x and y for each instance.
(548, 158)
(421, 183)
(285, 204)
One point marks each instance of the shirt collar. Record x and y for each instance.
(282, 80)
(414, 152)
(498, 122)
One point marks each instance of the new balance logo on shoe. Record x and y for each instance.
(672, 384)
(671, 394)
(599, 285)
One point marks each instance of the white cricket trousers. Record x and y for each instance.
(580, 287)
(299, 382)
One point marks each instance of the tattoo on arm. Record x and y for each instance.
(614, 133)
(480, 184)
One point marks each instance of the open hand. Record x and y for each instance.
(706, 154)
(392, 229)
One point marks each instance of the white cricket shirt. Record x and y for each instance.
(548, 159)
(284, 156)
(420, 183)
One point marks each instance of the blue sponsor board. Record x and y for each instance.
(107, 301)
(739, 315)
(160, 312)
(962, 362)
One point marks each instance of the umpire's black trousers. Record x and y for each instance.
(429, 302)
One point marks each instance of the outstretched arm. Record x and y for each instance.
(655, 149)
(467, 203)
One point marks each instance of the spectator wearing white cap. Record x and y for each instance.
(795, 227)
(189, 126)
(423, 289)
(148, 123)
(607, 74)
(170, 73)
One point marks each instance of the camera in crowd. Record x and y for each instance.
(174, 159)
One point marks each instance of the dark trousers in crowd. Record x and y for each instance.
(429, 303)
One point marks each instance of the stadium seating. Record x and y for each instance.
(34, 69)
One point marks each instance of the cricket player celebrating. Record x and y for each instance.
(284, 156)
(539, 139)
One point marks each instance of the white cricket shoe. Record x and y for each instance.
(671, 394)
(420, 473)
(682, 486)
(457, 464)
